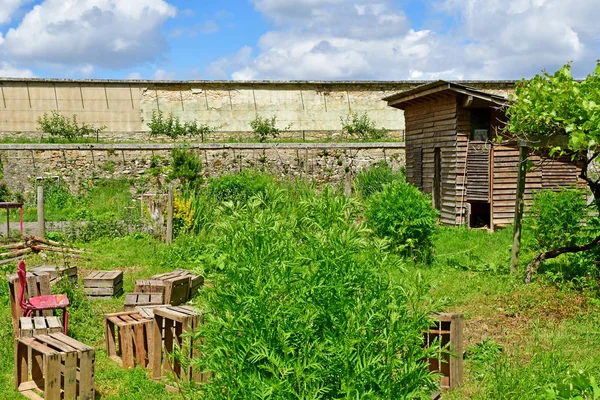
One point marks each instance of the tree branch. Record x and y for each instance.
(535, 263)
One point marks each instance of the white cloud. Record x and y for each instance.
(162, 75)
(105, 33)
(8, 70)
(134, 76)
(372, 39)
(87, 70)
(8, 8)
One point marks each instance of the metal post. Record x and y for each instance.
(519, 208)
(7, 223)
(41, 224)
(170, 216)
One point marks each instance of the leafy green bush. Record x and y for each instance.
(238, 187)
(401, 213)
(185, 166)
(556, 218)
(361, 127)
(172, 127)
(371, 180)
(58, 125)
(307, 313)
(265, 127)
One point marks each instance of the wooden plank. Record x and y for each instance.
(86, 374)
(70, 375)
(157, 346)
(52, 363)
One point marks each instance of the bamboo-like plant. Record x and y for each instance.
(302, 306)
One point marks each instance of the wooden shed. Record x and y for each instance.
(451, 154)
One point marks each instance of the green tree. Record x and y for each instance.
(561, 114)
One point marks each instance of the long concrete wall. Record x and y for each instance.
(23, 164)
(311, 109)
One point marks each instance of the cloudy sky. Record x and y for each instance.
(296, 39)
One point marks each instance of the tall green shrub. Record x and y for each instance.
(238, 187)
(371, 180)
(361, 127)
(306, 310)
(556, 218)
(401, 213)
(185, 166)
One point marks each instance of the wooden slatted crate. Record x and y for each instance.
(180, 285)
(54, 365)
(133, 300)
(172, 325)
(103, 284)
(447, 335)
(129, 338)
(56, 272)
(148, 311)
(150, 286)
(30, 326)
(38, 284)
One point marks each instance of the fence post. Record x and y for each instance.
(170, 216)
(41, 223)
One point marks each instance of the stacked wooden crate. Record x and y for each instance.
(180, 285)
(30, 326)
(55, 366)
(38, 284)
(56, 272)
(103, 284)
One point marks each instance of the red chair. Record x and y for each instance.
(40, 303)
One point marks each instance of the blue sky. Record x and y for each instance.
(296, 39)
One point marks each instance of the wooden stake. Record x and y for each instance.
(519, 207)
(41, 225)
(170, 217)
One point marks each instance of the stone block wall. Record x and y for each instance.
(333, 163)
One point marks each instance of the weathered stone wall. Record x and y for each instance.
(312, 110)
(77, 164)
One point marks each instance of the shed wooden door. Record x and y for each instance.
(437, 178)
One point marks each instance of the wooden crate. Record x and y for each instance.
(38, 284)
(148, 311)
(448, 331)
(171, 325)
(150, 286)
(54, 365)
(129, 338)
(30, 326)
(180, 285)
(56, 272)
(103, 284)
(133, 300)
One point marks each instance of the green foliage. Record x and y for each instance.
(58, 125)
(265, 127)
(402, 214)
(57, 195)
(372, 180)
(5, 194)
(238, 187)
(578, 385)
(185, 166)
(172, 127)
(109, 166)
(361, 127)
(556, 219)
(305, 308)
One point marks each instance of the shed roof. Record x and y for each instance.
(439, 89)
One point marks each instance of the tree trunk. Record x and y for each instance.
(535, 263)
